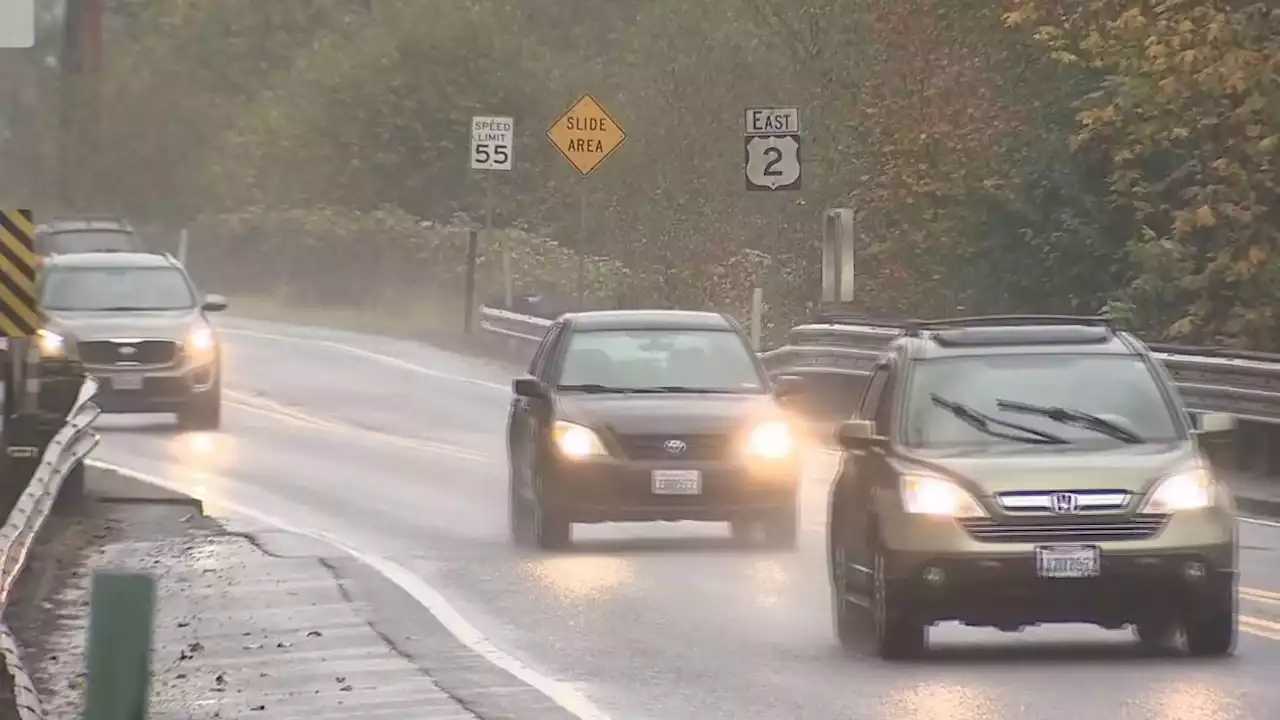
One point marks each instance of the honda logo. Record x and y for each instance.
(1064, 503)
(675, 447)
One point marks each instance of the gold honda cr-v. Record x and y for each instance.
(1008, 472)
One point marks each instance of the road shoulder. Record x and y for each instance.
(275, 626)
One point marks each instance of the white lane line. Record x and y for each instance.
(379, 357)
(1260, 521)
(562, 694)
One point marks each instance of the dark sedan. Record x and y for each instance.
(635, 415)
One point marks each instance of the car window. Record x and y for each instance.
(83, 241)
(884, 404)
(88, 289)
(1117, 388)
(702, 360)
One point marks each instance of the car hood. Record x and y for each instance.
(1131, 467)
(168, 324)
(674, 414)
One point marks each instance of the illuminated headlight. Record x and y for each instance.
(51, 344)
(574, 440)
(201, 340)
(770, 440)
(930, 495)
(1191, 490)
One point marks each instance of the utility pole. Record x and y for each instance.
(81, 59)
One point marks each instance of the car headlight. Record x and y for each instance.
(930, 495)
(574, 440)
(201, 340)
(50, 343)
(770, 440)
(1190, 490)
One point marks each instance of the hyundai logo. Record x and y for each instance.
(128, 350)
(675, 447)
(1064, 503)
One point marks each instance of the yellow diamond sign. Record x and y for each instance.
(585, 135)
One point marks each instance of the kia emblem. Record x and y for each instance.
(128, 350)
(675, 447)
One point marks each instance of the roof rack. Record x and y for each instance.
(914, 327)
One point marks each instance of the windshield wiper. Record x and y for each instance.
(982, 422)
(694, 390)
(1074, 418)
(598, 388)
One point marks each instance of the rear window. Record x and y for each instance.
(84, 241)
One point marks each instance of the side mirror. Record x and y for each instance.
(1214, 423)
(214, 303)
(788, 385)
(858, 435)
(528, 387)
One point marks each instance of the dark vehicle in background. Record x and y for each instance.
(641, 415)
(139, 325)
(86, 234)
(1013, 471)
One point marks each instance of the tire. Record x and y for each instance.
(898, 634)
(781, 528)
(849, 620)
(1156, 635)
(1212, 632)
(203, 411)
(551, 531)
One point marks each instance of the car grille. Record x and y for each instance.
(697, 447)
(144, 352)
(1099, 529)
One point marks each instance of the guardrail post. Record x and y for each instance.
(472, 242)
(121, 620)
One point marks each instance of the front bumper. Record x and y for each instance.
(613, 490)
(944, 573)
(152, 390)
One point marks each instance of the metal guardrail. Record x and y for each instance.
(64, 452)
(1243, 383)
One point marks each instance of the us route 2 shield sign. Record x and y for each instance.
(772, 162)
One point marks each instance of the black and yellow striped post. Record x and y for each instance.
(20, 320)
(19, 315)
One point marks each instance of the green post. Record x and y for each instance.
(121, 618)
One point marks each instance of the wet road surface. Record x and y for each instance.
(395, 449)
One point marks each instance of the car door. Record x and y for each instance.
(871, 468)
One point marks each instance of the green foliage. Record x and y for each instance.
(1060, 156)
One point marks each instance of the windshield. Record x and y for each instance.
(162, 288)
(677, 360)
(82, 241)
(1119, 390)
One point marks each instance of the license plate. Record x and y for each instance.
(1067, 561)
(677, 482)
(126, 382)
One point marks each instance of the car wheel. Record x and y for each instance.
(899, 635)
(848, 618)
(1157, 634)
(1212, 632)
(550, 530)
(203, 411)
(781, 528)
(519, 514)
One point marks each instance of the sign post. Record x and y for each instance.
(771, 153)
(586, 135)
(20, 322)
(492, 148)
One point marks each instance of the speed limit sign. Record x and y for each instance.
(491, 139)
